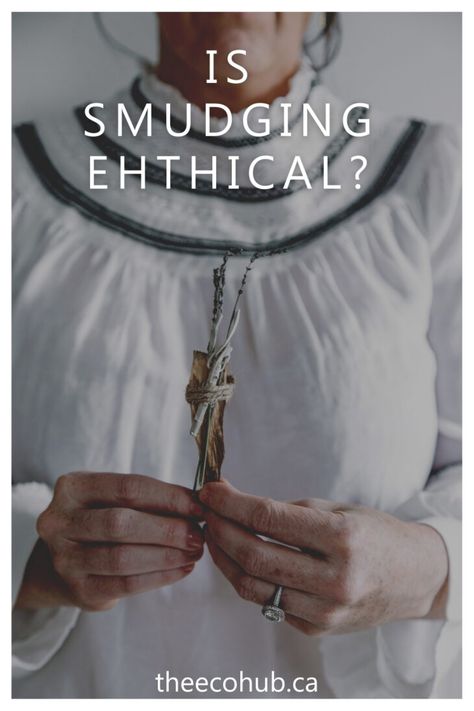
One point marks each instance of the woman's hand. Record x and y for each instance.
(105, 536)
(349, 567)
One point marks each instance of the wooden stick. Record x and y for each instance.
(210, 437)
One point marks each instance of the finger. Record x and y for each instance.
(298, 604)
(321, 504)
(304, 626)
(289, 523)
(129, 491)
(98, 586)
(119, 525)
(117, 559)
(274, 563)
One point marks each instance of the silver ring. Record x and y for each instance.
(273, 611)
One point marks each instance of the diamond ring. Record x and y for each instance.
(273, 612)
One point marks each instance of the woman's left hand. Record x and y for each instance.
(349, 567)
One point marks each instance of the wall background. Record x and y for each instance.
(405, 63)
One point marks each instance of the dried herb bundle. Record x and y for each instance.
(211, 384)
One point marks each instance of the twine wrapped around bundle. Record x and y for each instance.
(204, 393)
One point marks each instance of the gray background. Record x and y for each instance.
(404, 63)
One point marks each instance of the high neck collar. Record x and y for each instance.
(301, 85)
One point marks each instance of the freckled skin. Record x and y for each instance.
(348, 567)
(144, 535)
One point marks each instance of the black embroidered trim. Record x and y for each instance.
(177, 125)
(156, 174)
(68, 194)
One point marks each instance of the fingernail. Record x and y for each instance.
(195, 541)
(196, 555)
(203, 494)
(197, 510)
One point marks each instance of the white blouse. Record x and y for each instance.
(347, 361)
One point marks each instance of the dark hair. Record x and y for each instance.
(329, 37)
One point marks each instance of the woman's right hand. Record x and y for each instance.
(106, 536)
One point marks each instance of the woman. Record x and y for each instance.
(343, 437)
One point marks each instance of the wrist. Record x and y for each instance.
(432, 571)
(41, 585)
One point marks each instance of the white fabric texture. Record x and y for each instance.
(347, 361)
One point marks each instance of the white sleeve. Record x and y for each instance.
(422, 658)
(36, 634)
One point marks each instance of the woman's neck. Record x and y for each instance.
(263, 87)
